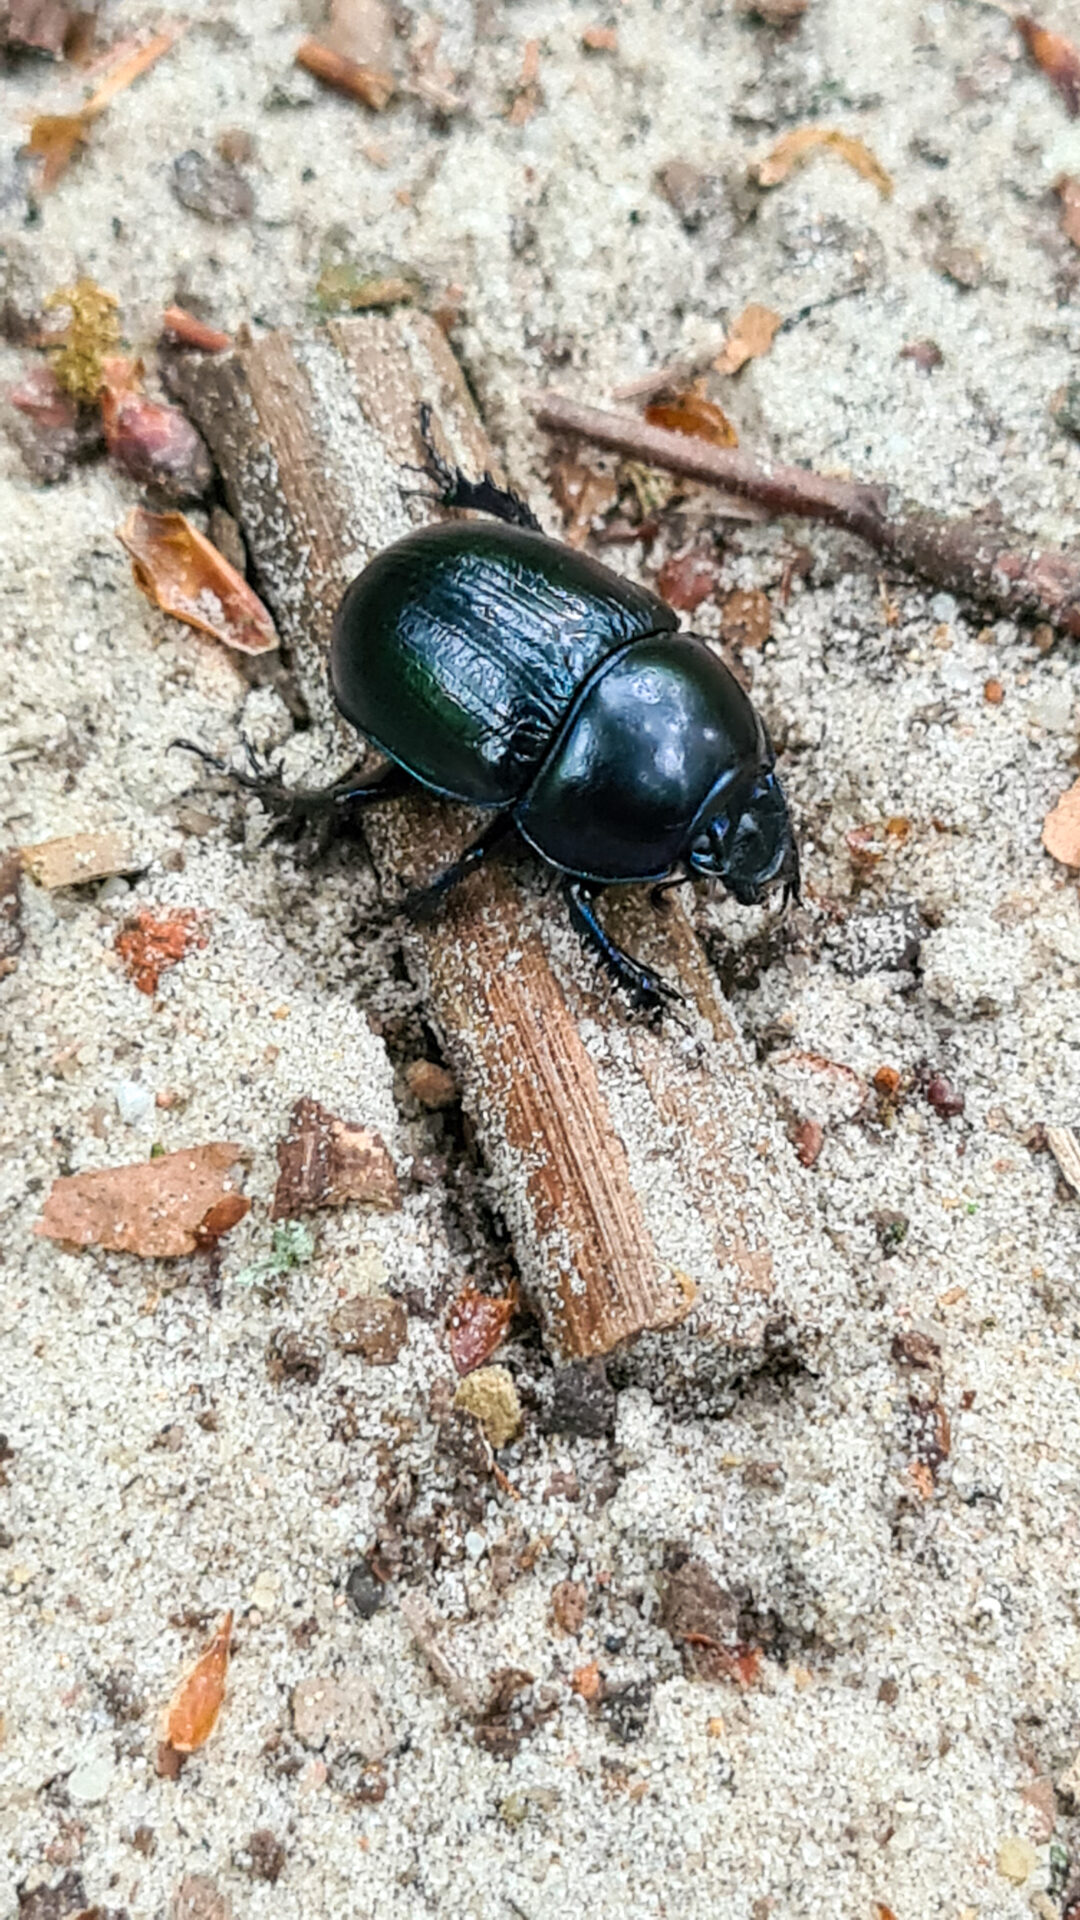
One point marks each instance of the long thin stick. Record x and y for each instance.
(982, 557)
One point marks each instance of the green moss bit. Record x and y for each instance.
(90, 335)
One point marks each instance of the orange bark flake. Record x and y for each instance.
(370, 85)
(185, 575)
(1061, 828)
(149, 945)
(692, 413)
(751, 336)
(156, 1208)
(194, 1707)
(795, 148)
(188, 331)
(586, 1681)
(1058, 58)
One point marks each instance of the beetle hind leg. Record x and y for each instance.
(423, 902)
(454, 488)
(329, 811)
(646, 989)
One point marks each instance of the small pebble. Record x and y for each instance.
(365, 1593)
(91, 1778)
(134, 1102)
(475, 1545)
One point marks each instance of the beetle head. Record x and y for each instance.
(751, 849)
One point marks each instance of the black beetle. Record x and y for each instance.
(496, 666)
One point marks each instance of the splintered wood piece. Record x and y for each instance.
(638, 1166)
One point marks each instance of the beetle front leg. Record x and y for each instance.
(454, 488)
(646, 989)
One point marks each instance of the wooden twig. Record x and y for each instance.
(979, 557)
(638, 1167)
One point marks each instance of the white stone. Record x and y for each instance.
(134, 1102)
(92, 1776)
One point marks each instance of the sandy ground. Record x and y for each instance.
(905, 1749)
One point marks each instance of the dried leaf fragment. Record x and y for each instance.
(527, 95)
(149, 945)
(796, 147)
(73, 859)
(686, 579)
(53, 139)
(1061, 828)
(426, 1627)
(183, 574)
(370, 85)
(1058, 58)
(194, 1708)
(750, 337)
(155, 1208)
(477, 1327)
(691, 413)
(325, 1162)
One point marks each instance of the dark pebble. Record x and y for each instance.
(583, 1401)
(364, 1591)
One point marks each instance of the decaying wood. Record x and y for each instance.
(980, 557)
(639, 1169)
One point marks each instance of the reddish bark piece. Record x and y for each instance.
(199, 1898)
(42, 25)
(1058, 58)
(178, 569)
(477, 1327)
(373, 1325)
(1068, 190)
(153, 442)
(750, 337)
(41, 397)
(155, 1208)
(583, 494)
(1061, 828)
(925, 353)
(691, 413)
(809, 1140)
(600, 40)
(686, 579)
(434, 1086)
(370, 85)
(149, 944)
(194, 1708)
(746, 618)
(188, 331)
(793, 148)
(325, 1162)
(944, 1097)
(569, 1601)
(11, 928)
(887, 1082)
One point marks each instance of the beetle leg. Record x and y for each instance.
(328, 809)
(454, 489)
(646, 989)
(422, 902)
